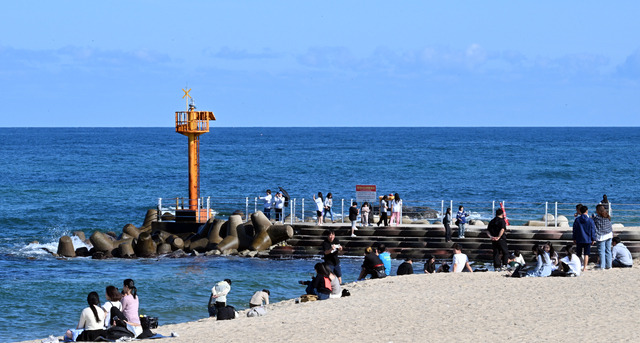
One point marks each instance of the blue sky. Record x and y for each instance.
(297, 63)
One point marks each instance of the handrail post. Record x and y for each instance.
(293, 208)
(442, 206)
(493, 207)
(255, 204)
(291, 211)
(556, 216)
(302, 210)
(546, 213)
(342, 211)
(451, 205)
(208, 208)
(159, 209)
(246, 206)
(199, 207)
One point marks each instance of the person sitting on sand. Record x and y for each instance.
(91, 320)
(372, 265)
(460, 260)
(260, 298)
(113, 301)
(544, 265)
(555, 259)
(218, 298)
(621, 255)
(405, 268)
(336, 288)
(430, 265)
(385, 257)
(320, 285)
(570, 264)
(130, 304)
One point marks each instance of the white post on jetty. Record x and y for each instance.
(291, 212)
(159, 209)
(303, 210)
(556, 216)
(246, 211)
(342, 211)
(199, 207)
(442, 207)
(255, 204)
(493, 207)
(546, 213)
(451, 206)
(208, 208)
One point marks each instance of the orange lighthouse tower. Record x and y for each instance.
(192, 124)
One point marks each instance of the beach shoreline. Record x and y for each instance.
(597, 306)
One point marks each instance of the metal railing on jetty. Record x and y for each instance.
(418, 211)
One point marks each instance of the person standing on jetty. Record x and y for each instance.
(266, 207)
(319, 208)
(331, 248)
(584, 234)
(461, 221)
(364, 214)
(353, 217)
(218, 298)
(497, 230)
(328, 204)
(446, 221)
(383, 211)
(279, 204)
(604, 234)
(396, 209)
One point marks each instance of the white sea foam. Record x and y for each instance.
(42, 249)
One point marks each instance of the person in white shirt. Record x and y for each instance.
(460, 260)
(267, 203)
(218, 298)
(319, 207)
(113, 301)
(621, 255)
(570, 264)
(279, 204)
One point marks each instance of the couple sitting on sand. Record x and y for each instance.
(325, 285)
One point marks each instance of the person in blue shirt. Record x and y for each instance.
(385, 256)
(461, 221)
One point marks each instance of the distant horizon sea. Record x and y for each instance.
(58, 180)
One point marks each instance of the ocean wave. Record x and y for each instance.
(38, 249)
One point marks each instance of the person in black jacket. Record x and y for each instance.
(372, 265)
(406, 267)
(497, 230)
(320, 285)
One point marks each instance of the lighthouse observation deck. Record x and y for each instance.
(193, 122)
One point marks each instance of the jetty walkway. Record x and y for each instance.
(417, 241)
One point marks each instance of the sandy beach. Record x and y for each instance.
(597, 306)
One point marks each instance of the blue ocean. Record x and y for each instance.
(54, 181)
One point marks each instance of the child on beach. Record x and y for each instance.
(460, 260)
(364, 214)
(570, 264)
(353, 216)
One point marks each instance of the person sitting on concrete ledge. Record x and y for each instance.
(405, 268)
(460, 260)
(621, 255)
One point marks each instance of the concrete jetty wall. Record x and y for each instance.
(418, 241)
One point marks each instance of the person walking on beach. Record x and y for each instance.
(218, 298)
(497, 230)
(331, 248)
(584, 235)
(279, 205)
(604, 234)
(319, 207)
(446, 221)
(396, 209)
(461, 221)
(266, 207)
(328, 204)
(460, 260)
(383, 211)
(353, 217)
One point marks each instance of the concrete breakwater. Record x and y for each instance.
(417, 241)
(215, 237)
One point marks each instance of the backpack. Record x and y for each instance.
(116, 332)
(227, 312)
(256, 312)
